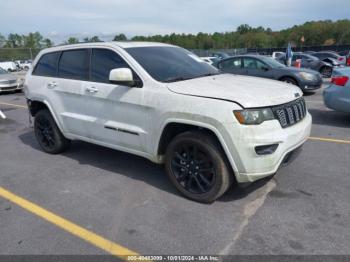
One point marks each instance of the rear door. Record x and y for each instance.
(63, 91)
(73, 70)
(116, 114)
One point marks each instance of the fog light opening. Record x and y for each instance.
(266, 149)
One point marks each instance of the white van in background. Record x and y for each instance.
(8, 66)
(24, 64)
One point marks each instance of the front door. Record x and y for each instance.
(255, 67)
(116, 114)
(231, 66)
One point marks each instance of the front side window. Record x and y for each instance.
(171, 64)
(74, 64)
(47, 65)
(102, 62)
(231, 64)
(252, 63)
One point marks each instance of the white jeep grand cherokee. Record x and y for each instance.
(164, 103)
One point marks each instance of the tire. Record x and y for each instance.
(326, 71)
(48, 134)
(290, 80)
(202, 176)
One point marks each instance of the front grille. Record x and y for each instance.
(8, 82)
(10, 88)
(291, 113)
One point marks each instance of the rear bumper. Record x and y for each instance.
(337, 98)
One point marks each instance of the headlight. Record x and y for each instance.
(307, 76)
(254, 116)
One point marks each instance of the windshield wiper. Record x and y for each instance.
(181, 78)
(209, 74)
(176, 79)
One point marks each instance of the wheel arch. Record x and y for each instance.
(290, 77)
(35, 105)
(176, 127)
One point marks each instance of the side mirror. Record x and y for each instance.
(122, 76)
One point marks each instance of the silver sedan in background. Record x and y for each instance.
(9, 82)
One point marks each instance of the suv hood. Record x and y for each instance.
(7, 77)
(249, 92)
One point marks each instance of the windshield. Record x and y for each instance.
(2, 71)
(272, 62)
(171, 64)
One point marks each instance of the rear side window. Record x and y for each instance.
(47, 65)
(102, 62)
(74, 64)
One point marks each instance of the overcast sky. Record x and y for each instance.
(58, 19)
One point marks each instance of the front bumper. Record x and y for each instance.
(8, 88)
(244, 139)
(311, 85)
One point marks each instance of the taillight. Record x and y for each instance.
(340, 80)
(341, 58)
(348, 62)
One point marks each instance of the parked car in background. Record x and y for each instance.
(210, 59)
(267, 67)
(9, 66)
(24, 64)
(9, 82)
(346, 54)
(220, 55)
(329, 57)
(314, 63)
(309, 52)
(276, 55)
(337, 95)
(163, 103)
(311, 62)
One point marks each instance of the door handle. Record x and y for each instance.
(91, 90)
(52, 85)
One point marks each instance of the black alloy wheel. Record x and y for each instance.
(47, 133)
(193, 168)
(197, 166)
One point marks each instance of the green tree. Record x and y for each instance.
(92, 39)
(33, 40)
(47, 43)
(2, 40)
(243, 29)
(120, 37)
(72, 40)
(14, 41)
